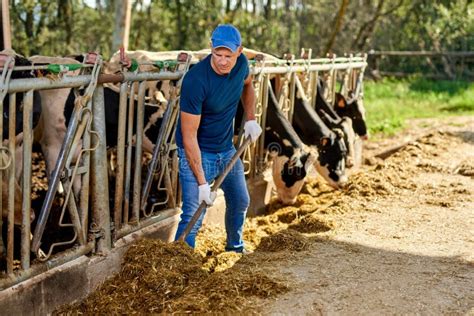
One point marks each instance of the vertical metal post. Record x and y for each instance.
(99, 178)
(263, 122)
(85, 179)
(128, 162)
(119, 185)
(11, 196)
(138, 151)
(26, 206)
(314, 88)
(174, 175)
(291, 96)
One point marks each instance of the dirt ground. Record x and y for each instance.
(398, 240)
(409, 250)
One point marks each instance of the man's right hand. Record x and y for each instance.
(205, 194)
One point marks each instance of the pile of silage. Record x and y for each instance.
(313, 223)
(153, 273)
(285, 240)
(161, 277)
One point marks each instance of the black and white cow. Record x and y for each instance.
(292, 160)
(332, 151)
(59, 104)
(152, 119)
(336, 122)
(353, 109)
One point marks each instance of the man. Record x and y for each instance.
(210, 94)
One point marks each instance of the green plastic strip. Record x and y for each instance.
(55, 68)
(134, 65)
(165, 63)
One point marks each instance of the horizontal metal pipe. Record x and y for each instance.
(162, 215)
(66, 256)
(325, 67)
(21, 85)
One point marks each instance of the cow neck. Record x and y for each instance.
(322, 104)
(287, 130)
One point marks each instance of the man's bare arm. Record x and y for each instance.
(189, 128)
(248, 99)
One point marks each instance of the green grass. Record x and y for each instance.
(389, 103)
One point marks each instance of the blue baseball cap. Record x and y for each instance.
(226, 35)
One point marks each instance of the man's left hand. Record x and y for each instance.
(252, 129)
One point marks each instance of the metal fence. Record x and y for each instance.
(110, 204)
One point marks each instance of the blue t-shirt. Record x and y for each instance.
(214, 97)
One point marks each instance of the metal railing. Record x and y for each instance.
(104, 211)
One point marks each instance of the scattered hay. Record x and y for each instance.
(313, 224)
(222, 261)
(228, 291)
(210, 240)
(287, 240)
(158, 277)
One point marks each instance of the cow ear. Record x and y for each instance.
(340, 101)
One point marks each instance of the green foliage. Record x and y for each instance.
(62, 27)
(389, 103)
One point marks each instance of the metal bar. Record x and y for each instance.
(291, 96)
(156, 152)
(313, 82)
(21, 85)
(26, 206)
(39, 268)
(216, 186)
(278, 62)
(174, 175)
(119, 185)
(128, 229)
(128, 162)
(99, 179)
(55, 179)
(263, 122)
(326, 67)
(11, 179)
(73, 212)
(169, 187)
(43, 67)
(85, 179)
(138, 152)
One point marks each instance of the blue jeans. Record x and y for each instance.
(235, 192)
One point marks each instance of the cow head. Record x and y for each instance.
(354, 110)
(289, 173)
(332, 157)
(343, 124)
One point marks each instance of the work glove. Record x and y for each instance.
(205, 194)
(252, 129)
